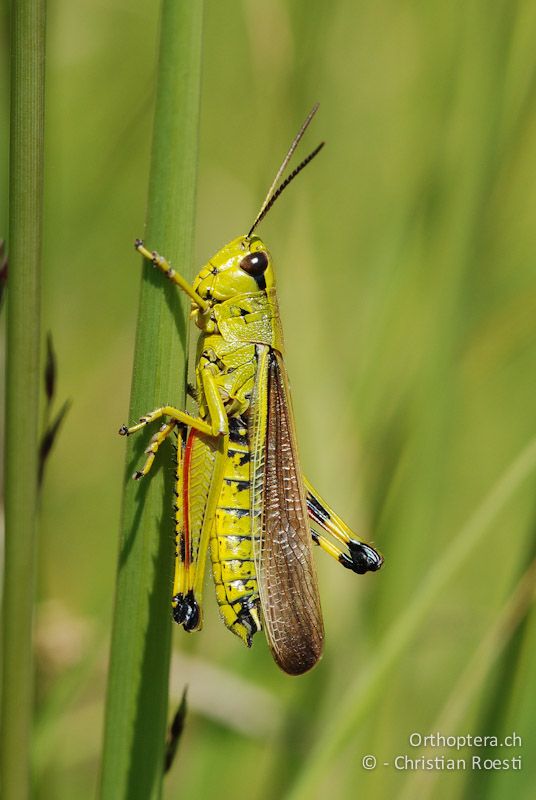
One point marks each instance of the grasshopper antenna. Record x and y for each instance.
(274, 193)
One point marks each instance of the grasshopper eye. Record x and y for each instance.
(254, 263)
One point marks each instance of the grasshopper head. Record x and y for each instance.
(243, 266)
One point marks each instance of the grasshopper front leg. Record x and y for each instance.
(175, 277)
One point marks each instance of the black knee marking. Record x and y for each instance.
(363, 558)
(186, 611)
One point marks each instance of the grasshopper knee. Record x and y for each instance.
(186, 611)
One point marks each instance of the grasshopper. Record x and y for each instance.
(239, 486)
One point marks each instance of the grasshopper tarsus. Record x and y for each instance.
(123, 430)
(137, 475)
(138, 243)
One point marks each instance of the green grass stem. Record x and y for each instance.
(136, 711)
(22, 390)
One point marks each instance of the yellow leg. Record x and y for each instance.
(210, 512)
(218, 417)
(327, 546)
(193, 533)
(320, 512)
(169, 411)
(175, 277)
(152, 450)
(360, 557)
(205, 455)
(186, 608)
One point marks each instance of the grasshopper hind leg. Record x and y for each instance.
(198, 484)
(362, 558)
(186, 611)
(359, 558)
(350, 551)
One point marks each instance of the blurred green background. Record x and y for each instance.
(406, 267)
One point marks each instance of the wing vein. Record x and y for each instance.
(285, 568)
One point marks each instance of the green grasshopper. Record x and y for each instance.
(239, 484)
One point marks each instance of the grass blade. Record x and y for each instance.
(500, 695)
(469, 684)
(369, 683)
(134, 739)
(22, 389)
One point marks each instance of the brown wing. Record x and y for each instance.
(282, 540)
